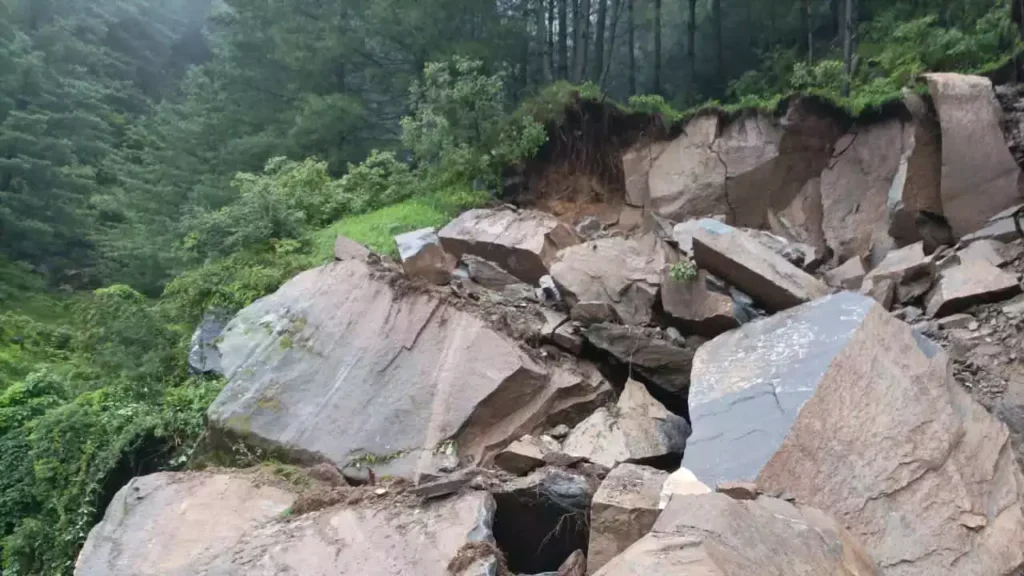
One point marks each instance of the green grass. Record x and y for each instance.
(377, 229)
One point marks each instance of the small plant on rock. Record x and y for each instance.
(684, 271)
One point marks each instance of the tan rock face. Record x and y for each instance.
(688, 178)
(640, 430)
(801, 220)
(636, 165)
(855, 189)
(979, 176)
(904, 458)
(625, 273)
(918, 183)
(171, 524)
(335, 364)
(624, 509)
(423, 257)
(701, 305)
(973, 282)
(849, 276)
(347, 249)
(753, 268)
(521, 242)
(713, 534)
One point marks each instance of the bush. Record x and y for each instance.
(378, 181)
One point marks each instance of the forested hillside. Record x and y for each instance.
(159, 158)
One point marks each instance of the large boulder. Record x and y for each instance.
(624, 273)
(714, 535)
(801, 220)
(979, 175)
(229, 524)
(648, 354)
(906, 273)
(639, 430)
(423, 257)
(623, 511)
(904, 458)
(338, 365)
(688, 178)
(701, 305)
(739, 259)
(522, 242)
(636, 166)
(971, 283)
(917, 187)
(747, 386)
(203, 356)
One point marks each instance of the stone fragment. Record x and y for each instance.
(636, 166)
(903, 456)
(348, 249)
(563, 333)
(658, 361)
(423, 257)
(738, 490)
(682, 234)
(748, 385)
(488, 274)
(625, 273)
(910, 314)
(969, 284)
(681, 482)
(203, 356)
(589, 227)
(848, 276)
(624, 509)
(574, 565)
(1002, 230)
(800, 255)
(979, 176)
(881, 290)
(714, 535)
(801, 220)
(522, 242)
(701, 305)
(741, 261)
(916, 188)
(955, 321)
(587, 313)
(911, 272)
(525, 455)
(640, 430)
(985, 250)
(336, 364)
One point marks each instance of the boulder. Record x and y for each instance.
(739, 490)
(848, 276)
(688, 178)
(636, 166)
(348, 249)
(909, 270)
(640, 430)
(969, 284)
(522, 242)
(881, 290)
(180, 524)
(713, 534)
(336, 365)
(855, 189)
(701, 305)
(800, 255)
(624, 509)
(423, 257)
(801, 220)
(488, 274)
(587, 313)
(542, 519)
(561, 332)
(1002, 230)
(747, 386)
(904, 458)
(985, 250)
(625, 273)
(743, 262)
(526, 454)
(917, 186)
(203, 356)
(979, 176)
(649, 356)
(589, 227)
(681, 482)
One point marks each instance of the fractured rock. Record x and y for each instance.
(1002, 230)
(488, 274)
(521, 242)
(713, 534)
(801, 220)
(688, 177)
(748, 385)
(800, 255)
(903, 456)
(203, 356)
(909, 270)
(587, 313)
(636, 165)
(624, 509)
(336, 365)
(881, 290)
(422, 256)
(979, 176)
(848, 276)
(969, 284)
(526, 454)
(702, 305)
(662, 363)
(623, 273)
(574, 565)
(743, 262)
(916, 189)
(563, 333)
(638, 430)
(985, 250)
(348, 249)
(738, 490)
(682, 482)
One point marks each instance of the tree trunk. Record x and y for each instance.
(656, 85)
(691, 48)
(612, 34)
(563, 41)
(602, 21)
(632, 48)
(575, 53)
(716, 16)
(551, 40)
(805, 28)
(848, 23)
(585, 40)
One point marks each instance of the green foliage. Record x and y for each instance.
(378, 181)
(684, 271)
(654, 104)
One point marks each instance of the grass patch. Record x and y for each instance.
(377, 229)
